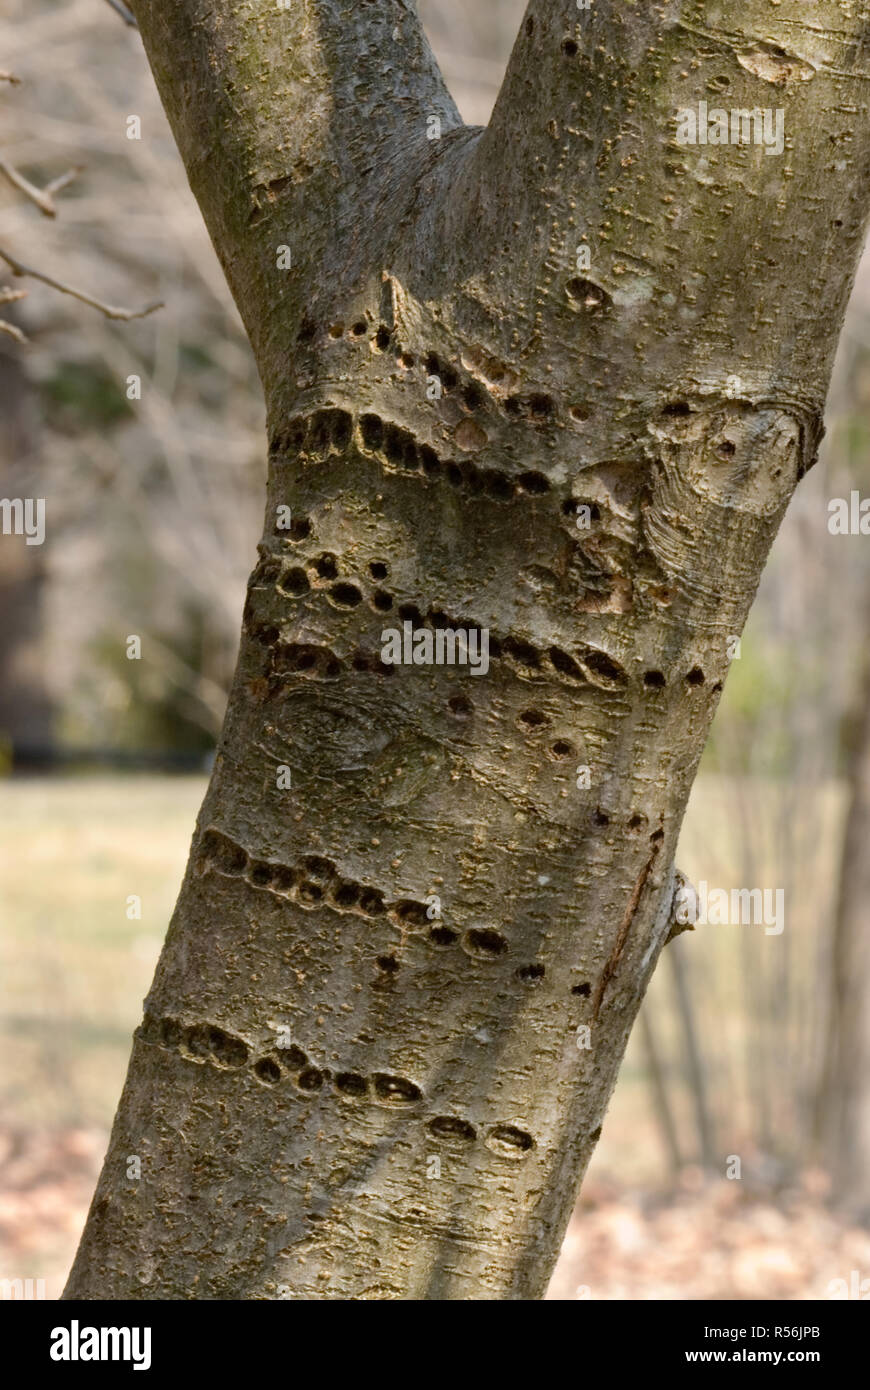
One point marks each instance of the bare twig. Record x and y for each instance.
(11, 331)
(120, 8)
(8, 296)
(111, 311)
(40, 196)
(9, 77)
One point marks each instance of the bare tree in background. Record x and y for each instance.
(412, 937)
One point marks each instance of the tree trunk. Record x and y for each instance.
(394, 997)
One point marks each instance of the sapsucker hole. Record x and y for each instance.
(532, 719)
(396, 1090)
(569, 48)
(326, 566)
(561, 749)
(450, 1127)
(267, 1071)
(565, 664)
(695, 676)
(382, 338)
(654, 680)
(411, 914)
(442, 936)
(350, 1083)
(509, 1140)
(294, 583)
(378, 569)
(585, 989)
(531, 974)
(310, 1079)
(485, 941)
(534, 483)
(345, 595)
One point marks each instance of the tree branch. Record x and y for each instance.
(111, 311)
(582, 152)
(292, 123)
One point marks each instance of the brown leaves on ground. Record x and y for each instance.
(704, 1240)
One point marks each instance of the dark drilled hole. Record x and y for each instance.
(450, 1127)
(310, 1079)
(267, 1071)
(220, 851)
(510, 1140)
(585, 989)
(378, 569)
(294, 583)
(388, 964)
(569, 48)
(382, 338)
(346, 895)
(398, 1090)
(561, 749)
(532, 719)
(372, 430)
(260, 874)
(326, 566)
(371, 902)
(350, 1083)
(534, 483)
(531, 974)
(410, 913)
(565, 664)
(443, 936)
(654, 679)
(485, 941)
(605, 666)
(521, 651)
(695, 676)
(345, 595)
(293, 1058)
(229, 1051)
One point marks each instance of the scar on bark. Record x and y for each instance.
(625, 926)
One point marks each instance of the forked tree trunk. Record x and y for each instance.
(423, 1128)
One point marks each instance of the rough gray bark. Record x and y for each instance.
(675, 387)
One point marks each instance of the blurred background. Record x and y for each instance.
(734, 1159)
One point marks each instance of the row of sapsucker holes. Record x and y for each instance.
(330, 431)
(315, 881)
(590, 665)
(538, 407)
(205, 1042)
(294, 581)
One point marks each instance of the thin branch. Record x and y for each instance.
(111, 311)
(40, 196)
(11, 331)
(9, 77)
(120, 8)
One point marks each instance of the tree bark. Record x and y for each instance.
(423, 1129)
